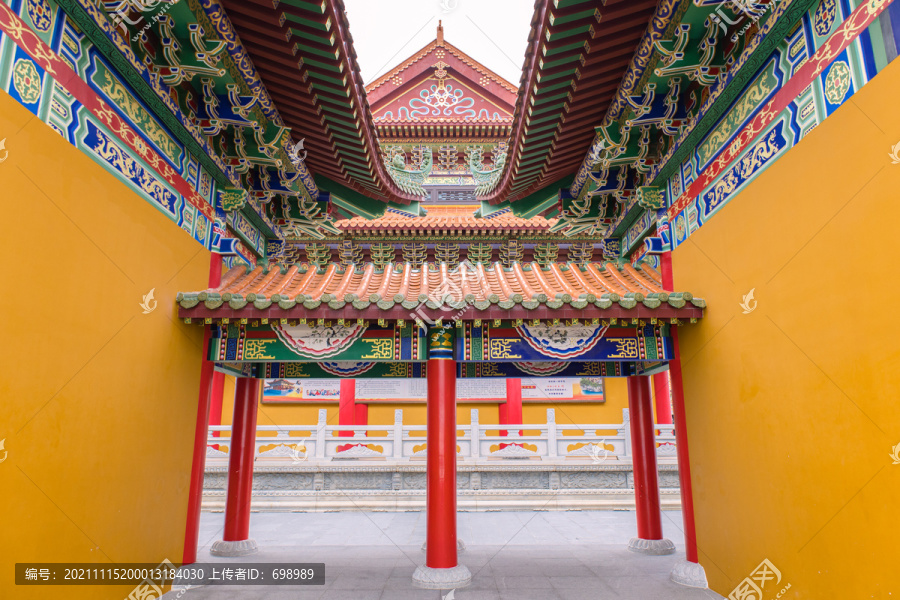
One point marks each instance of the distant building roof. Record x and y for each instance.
(446, 219)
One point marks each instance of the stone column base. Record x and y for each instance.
(460, 546)
(651, 547)
(238, 548)
(442, 579)
(689, 574)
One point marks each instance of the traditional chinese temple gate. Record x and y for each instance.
(441, 324)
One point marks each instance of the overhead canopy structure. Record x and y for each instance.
(577, 56)
(598, 132)
(468, 292)
(605, 319)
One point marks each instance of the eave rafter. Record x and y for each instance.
(310, 68)
(577, 54)
(681, 80)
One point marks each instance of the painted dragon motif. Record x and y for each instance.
(410, 178)
(485, 179)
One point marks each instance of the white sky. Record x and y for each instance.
(493, 32)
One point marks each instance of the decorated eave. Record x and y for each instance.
(401, 292)
(692, 63)
(397, 131)
(577, 55)
(187, 66)
(304, 54)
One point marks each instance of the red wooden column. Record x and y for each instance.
(661, 399)
(442, 569)
(688, 572)
(208, 379)
(511, 412)
(649, 539)
(216, 397)
(347, 405)
(362, 414)
(235, 541)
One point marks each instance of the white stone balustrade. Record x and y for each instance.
(399, 442)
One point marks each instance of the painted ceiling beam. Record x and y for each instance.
(737, 80)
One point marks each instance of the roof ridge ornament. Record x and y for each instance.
(409, 178)
(486, 179)
(440, 71)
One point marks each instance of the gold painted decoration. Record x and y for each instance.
(318, 254)
(232, 199)
(480, 252)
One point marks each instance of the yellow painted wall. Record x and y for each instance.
(793, 408)
(98, 400)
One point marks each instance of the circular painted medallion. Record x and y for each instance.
(824, 17)
(40, 12)
(680, 228)
(837, 82)
(27, 81)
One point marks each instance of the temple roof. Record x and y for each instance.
(486, 291)
(441, 92)
(486, 77)
(579, 52)
(304, 54)
(452, 220)
(577, 55)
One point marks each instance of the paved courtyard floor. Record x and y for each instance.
(512, 555)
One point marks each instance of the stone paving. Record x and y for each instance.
(570, 555)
